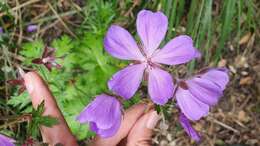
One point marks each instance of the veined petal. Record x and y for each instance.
(126, 81)
(6, 141)
(190, 106)
(218, 76)
(204, 90)
(120, 44)
(104, 110)
(88, 113)
(160, 85)
(93, 127)
(179, 50)
(151, 28)
(188, 127)
(105, 133)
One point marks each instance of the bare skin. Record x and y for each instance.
(136, 127)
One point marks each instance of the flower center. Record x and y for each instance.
(149, 62)
(183, 85)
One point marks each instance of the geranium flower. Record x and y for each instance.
(6, 141)
(48, 59)
(194, 96)
(185, 123)
(103, 115)
(151, 28)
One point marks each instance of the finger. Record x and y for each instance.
(141, 133)
(39, 91)
(129, 119)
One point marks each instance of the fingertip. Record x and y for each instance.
(141, 133)
(153, 119)
(31, 74)
(37, 88)
(29, 80)
(136, 110)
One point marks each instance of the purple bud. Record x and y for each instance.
(188, 128)
(103, 115)
(32, 28)
(6, 141)
(48, 59)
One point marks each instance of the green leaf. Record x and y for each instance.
(81, 131)
(63, 45)
(31, 51)
(228, 14)
(48, 121)
(38, 120)
(22, 102)
(40, 109)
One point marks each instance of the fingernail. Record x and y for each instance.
(29, 85)
(152, 120)
(21, 71)
(29, 88)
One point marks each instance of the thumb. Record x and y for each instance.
(141, 133)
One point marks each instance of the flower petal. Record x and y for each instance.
(126, 81)
(105, 133)
(6, 141)
(160, 85)
(190, 106)
(48, 52)
(93, 127)
(120, 44)
(188, 127)
(217, 75)
(31, 28)
(204, 90)
(179, 50)
(151, 28)
(104, 110)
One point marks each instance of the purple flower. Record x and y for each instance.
(151, 28)
(195, 96)
(6, 141)
(48, 59)
(103, 115)
(188, 127)
(32, 28)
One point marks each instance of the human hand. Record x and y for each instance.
(136, 127)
